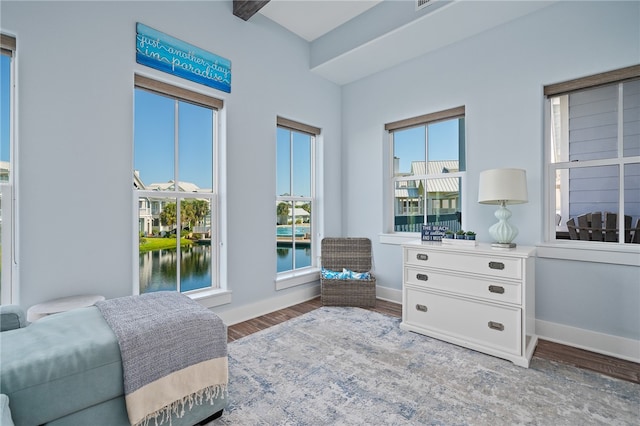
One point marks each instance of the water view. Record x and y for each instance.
(285, 254)
(158, 269)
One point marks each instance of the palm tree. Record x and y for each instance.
(168, 215)
(191, 212)
(200, 210)
(187, 213)
(282, 211)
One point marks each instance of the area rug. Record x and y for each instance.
(350, 366)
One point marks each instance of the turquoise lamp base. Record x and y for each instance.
(503, 233)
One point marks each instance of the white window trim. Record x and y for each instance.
(310, 274)
(583, 251)
(211, 298)
(389, 236)
(10, 290)
(398, 238)
(208, 297)
(616, 253)
(297, 277)
(137, 194)
(10, 275)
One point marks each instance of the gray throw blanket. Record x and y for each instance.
(174, 353)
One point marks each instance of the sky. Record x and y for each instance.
(154, 140)
(5, 92)
(409, 144)
(154, 146)
(301, 146)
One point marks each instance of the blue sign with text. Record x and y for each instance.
(165, 53)
(433, 232)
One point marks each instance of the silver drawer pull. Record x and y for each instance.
(421, 308)
(496, 326)
(422, 277)
(422, 256)
(496, 289)
(496, 265)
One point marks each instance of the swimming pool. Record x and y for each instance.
(285, 231)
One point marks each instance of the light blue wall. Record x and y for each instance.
(592, 296)
(76, 63)
(498, 75)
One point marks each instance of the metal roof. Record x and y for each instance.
(434, 184)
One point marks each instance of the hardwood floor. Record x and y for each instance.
(610, 366)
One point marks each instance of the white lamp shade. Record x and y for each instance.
(503, 185)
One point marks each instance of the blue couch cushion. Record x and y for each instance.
(58, 365)
(11, 317)
(9, 321)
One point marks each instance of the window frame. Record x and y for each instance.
(216, 294)
(389, 235)
(311, 273)
(9, 293)
(617, 252)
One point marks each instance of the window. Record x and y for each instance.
(427, 171)
(7, 172)
(593, 158)
(175, 186)
(295, 195)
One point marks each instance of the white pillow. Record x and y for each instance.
(5, 411)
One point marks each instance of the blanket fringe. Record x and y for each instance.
(208, 394)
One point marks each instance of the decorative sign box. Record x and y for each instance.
(433, 232)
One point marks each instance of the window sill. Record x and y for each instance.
(398, 238)
(211, 298)
(295, 278)
(611, 253)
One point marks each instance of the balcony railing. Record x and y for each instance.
(414, 223)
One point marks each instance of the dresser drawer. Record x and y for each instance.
(484, 324)
(497, 266)
(509, 292)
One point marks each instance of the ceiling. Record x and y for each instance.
(451, 22)
(311, 19)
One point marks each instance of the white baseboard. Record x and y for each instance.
(247, 312)
(606, 344)
(243, 313)
(389, 294)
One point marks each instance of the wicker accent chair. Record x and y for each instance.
(353, 254)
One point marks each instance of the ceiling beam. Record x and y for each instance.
(245, 9)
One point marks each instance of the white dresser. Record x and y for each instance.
(478, 297)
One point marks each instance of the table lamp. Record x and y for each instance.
(502, 187)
